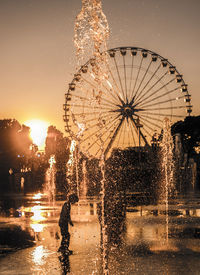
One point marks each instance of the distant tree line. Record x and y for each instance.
(189, 130)
(19, 157)
(59, 146)
(14, 148)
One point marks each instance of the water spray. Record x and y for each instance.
(167, 166)
(50, 186)
(91, 32)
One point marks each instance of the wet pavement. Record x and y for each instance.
(150, 244)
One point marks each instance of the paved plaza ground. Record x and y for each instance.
(144, 250)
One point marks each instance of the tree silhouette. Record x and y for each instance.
(58, 145)
(189, 129)
(14, 147)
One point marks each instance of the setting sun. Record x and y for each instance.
(38, 131)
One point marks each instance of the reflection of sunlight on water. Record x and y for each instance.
(37, 227)
(37, 196)
(37, 214)
(164, 247)
(198, 212)
(38, 255)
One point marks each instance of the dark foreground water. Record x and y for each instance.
(155, 242)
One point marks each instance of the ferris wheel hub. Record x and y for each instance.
(127, 110)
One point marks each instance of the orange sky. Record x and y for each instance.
(37, 52)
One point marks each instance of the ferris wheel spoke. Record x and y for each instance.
(110, 91)
(108, 137)
(102, 104)
(114, 136)
(145, 125)
(126, 133)
(97, 125)
(149, 89)
(110, 124)
(120, 135)
(94, 119)
(150, 79)
(147, 69)
(131, 77)
(89, 129)
(90, 107)
(161, 102)
(134, 125)
(94, 86)
(90, 113)
(162, 95)
(151, 118)
(115, 83)
(125, 77)
(164, 108)
(119, 77)
(133, 91)
(102, 144)
(96, 142)
(87, 99)
(150, 122)
(113, 92)
(158, 90)
(100, 148)
(163, 114)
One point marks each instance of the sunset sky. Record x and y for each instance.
(38, 57)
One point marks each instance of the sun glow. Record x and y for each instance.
(38, 131)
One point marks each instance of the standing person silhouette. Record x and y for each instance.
(64, 221)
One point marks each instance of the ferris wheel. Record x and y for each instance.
(140, 90)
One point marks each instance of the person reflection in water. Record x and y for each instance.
(64, 221)
(65, 263)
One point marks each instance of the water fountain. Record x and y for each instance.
(83, 184)
(70, 164)
(167, 161)
(50, 182)
(91, 34)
